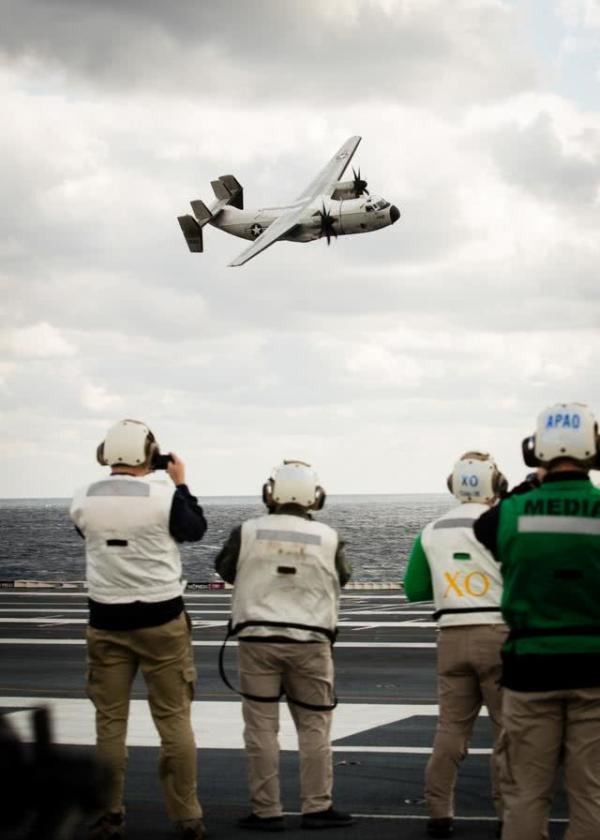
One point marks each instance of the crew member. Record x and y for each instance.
(448, 565)
(287, 571)
(548, 544)
(132, 527)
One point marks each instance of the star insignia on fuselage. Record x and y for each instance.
(256, 230)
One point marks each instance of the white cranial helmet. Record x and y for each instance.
(129, 443)
(294, 482)
(564, 430)
(476, 478)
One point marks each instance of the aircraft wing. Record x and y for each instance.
(282, 225)
(324, 183)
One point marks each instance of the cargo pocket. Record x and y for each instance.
(90, 685)
(503, 760)
(189, 679)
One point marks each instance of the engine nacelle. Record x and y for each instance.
(344, 190)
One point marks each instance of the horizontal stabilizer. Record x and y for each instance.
(192, 232)
(201, 212)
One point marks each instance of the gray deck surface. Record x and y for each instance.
(383, 728)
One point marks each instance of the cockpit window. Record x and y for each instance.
(382, 204)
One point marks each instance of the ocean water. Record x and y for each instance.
(38, 540)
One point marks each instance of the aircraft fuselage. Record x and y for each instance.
(349, 216)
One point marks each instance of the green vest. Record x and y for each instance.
(549, 548)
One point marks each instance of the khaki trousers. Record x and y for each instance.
(469, 670)
(306, 672)
(165, 657)
(541, 731)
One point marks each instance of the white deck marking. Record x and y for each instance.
(341, 624)
(43, 620)
(35, 640)
(82, 593)
(409, 623)
(405, 750)
(484, 818)
(387, 611)
(69, 610)
(217, 724)
(72, 610)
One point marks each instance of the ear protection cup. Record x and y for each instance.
(320, 496)
(499, 484)
(528, 451)
(100, 455)
(151, 448)
(450, 483)
(596, 462)
(267, 493)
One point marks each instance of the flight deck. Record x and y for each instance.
(383, 727)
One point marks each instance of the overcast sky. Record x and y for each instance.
(379, 359)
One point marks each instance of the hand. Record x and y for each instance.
(176, 469)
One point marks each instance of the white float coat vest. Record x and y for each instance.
(130, 554)
(286, 573)
(465, 577)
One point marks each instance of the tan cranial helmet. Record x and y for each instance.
(294, 482)
(476, 478)
(128, 443)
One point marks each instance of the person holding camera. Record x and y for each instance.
(448, 565)
(132, 526)
(287, 570)
(547, 542)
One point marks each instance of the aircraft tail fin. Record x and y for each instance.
(192, 232)
(227, 188)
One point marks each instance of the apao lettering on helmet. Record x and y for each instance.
(563, 421)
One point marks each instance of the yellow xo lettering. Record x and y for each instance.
(475, 584)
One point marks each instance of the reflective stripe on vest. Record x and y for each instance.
(558, 525)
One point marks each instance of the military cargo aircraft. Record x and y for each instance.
(327, 208)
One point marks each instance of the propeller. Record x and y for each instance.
(327, 222)
(360, 186)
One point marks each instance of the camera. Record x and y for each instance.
(160, 462)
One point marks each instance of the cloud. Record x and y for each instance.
(38, 341)
(96, 398)
(297, 50)
(579, 13)
(533, 158)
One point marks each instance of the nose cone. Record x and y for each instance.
(394, 214)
